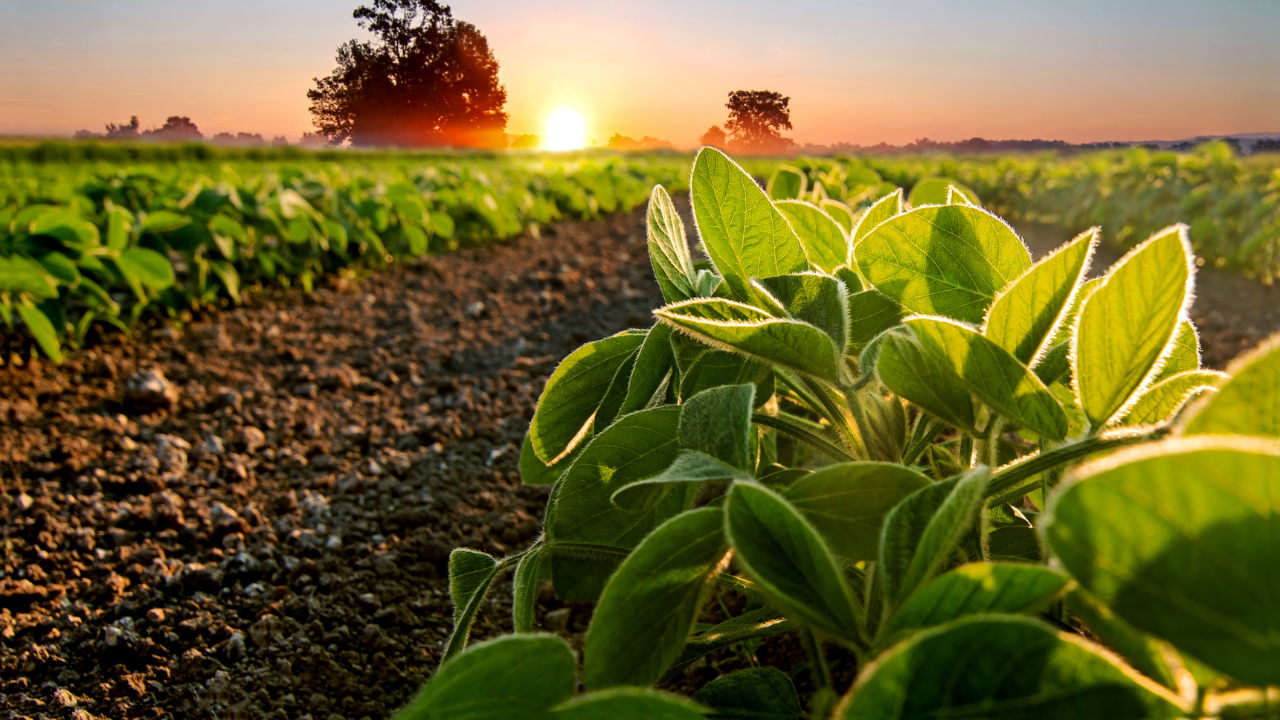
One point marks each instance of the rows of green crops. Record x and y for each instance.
(86, 242)
(1231, 203)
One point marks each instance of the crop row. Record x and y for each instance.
(986, 487)
(1232, 204)
(84, 244)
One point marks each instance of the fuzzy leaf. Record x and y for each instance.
(628, 704)
(906, 368)
(887, 207)
(786, 183)
(1181, 539)
(787, 559)
(1001, 667)
(758, 693)
(574, 392)
(717, 422)
(471, 572)
(651, 603)
(1125, 325)
(1184, 351)
(947, 260)
(741, 230)
(690, 466)
(653, 364)
(1249, 403)
(847, 503)
(824, 241)
(669, 249)
(819, 300)
(1025, 316)
(1163, 399)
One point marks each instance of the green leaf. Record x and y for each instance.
(973, 589)
(442, 224)
(906, 368)
(149, 267)
(471, 572)
(1140, 650)
(42, 330)
(1127, 323)
(651, 603)
(947, 260)
(741, 230)
(516, 677)
(653, 365)
(921, 532)
(887, 207)
(616, 394)
(533, 471)
(994, 375)
(758, 693)
(119, 224)
(1249, 403)
(574, 392)
(819, 300)
(1163, 399)
(162, 221)
(1054, 364)
(740, 328)
(824, 241)
(668, 248)
(786, 183)
(935, 191)
(582, 521)
(61, 267)
(226, 272)
(851, 279)
(1000, 668)
(871, 312)
(714, 368)
(226, 234)
(690, 466)
(717, 422)
(1025, 317)
(20, 274)
(628, 704)
(524, 588)
(787, 559)
(847, 503)
(1183, 353)
(841, 213)
(753, 624)
(67, 226)
(1181, 539)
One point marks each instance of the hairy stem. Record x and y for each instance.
(801, 434)
(1017, 473)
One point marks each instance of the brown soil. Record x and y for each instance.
(275, 544)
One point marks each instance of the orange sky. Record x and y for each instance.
(855, 71)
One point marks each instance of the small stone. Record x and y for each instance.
(333, 543)
(148, 390)
(156, 615)
(252, 438)
(474, 309)
(24, 501)
(266, 630)
(235, 645)
(557, 620)
(63, 698)
(369, 599)
(213, 445)
(171, 451)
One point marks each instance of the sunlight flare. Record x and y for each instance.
(566, 130)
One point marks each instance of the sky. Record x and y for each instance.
(860, 72)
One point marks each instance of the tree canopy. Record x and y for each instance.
(756, 121)
(425, 79)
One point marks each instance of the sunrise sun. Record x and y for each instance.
(565, 131)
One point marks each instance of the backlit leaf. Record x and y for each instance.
(886, 207)
(471, 572)
(906, 368)
(1025, 316)
(717, 422)
(824, 241)
(741, 230)
(786, 183)
(819, 300)
(1126, 324)
(1161, 400)
(669, 249)
(947, 260)
(1184, 353)
(1248, 403)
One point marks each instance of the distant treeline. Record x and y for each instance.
(977, 145)
(66, 151)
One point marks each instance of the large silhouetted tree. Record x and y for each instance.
(756, 121)
(426, 79)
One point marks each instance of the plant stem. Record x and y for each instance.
(926, 430)
(835, 413)
(796, 432)
(818, 662)
(1018, 472)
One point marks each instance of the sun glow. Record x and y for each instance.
(565, 131)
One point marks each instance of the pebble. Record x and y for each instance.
(24, 501)
(235, 645)
(149, 389)
(252, 438)
(557, 620)
(156, 615)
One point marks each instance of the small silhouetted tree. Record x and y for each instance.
(426, 79)
(756, 121)
(714, 137)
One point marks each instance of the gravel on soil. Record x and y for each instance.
(251, 517)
